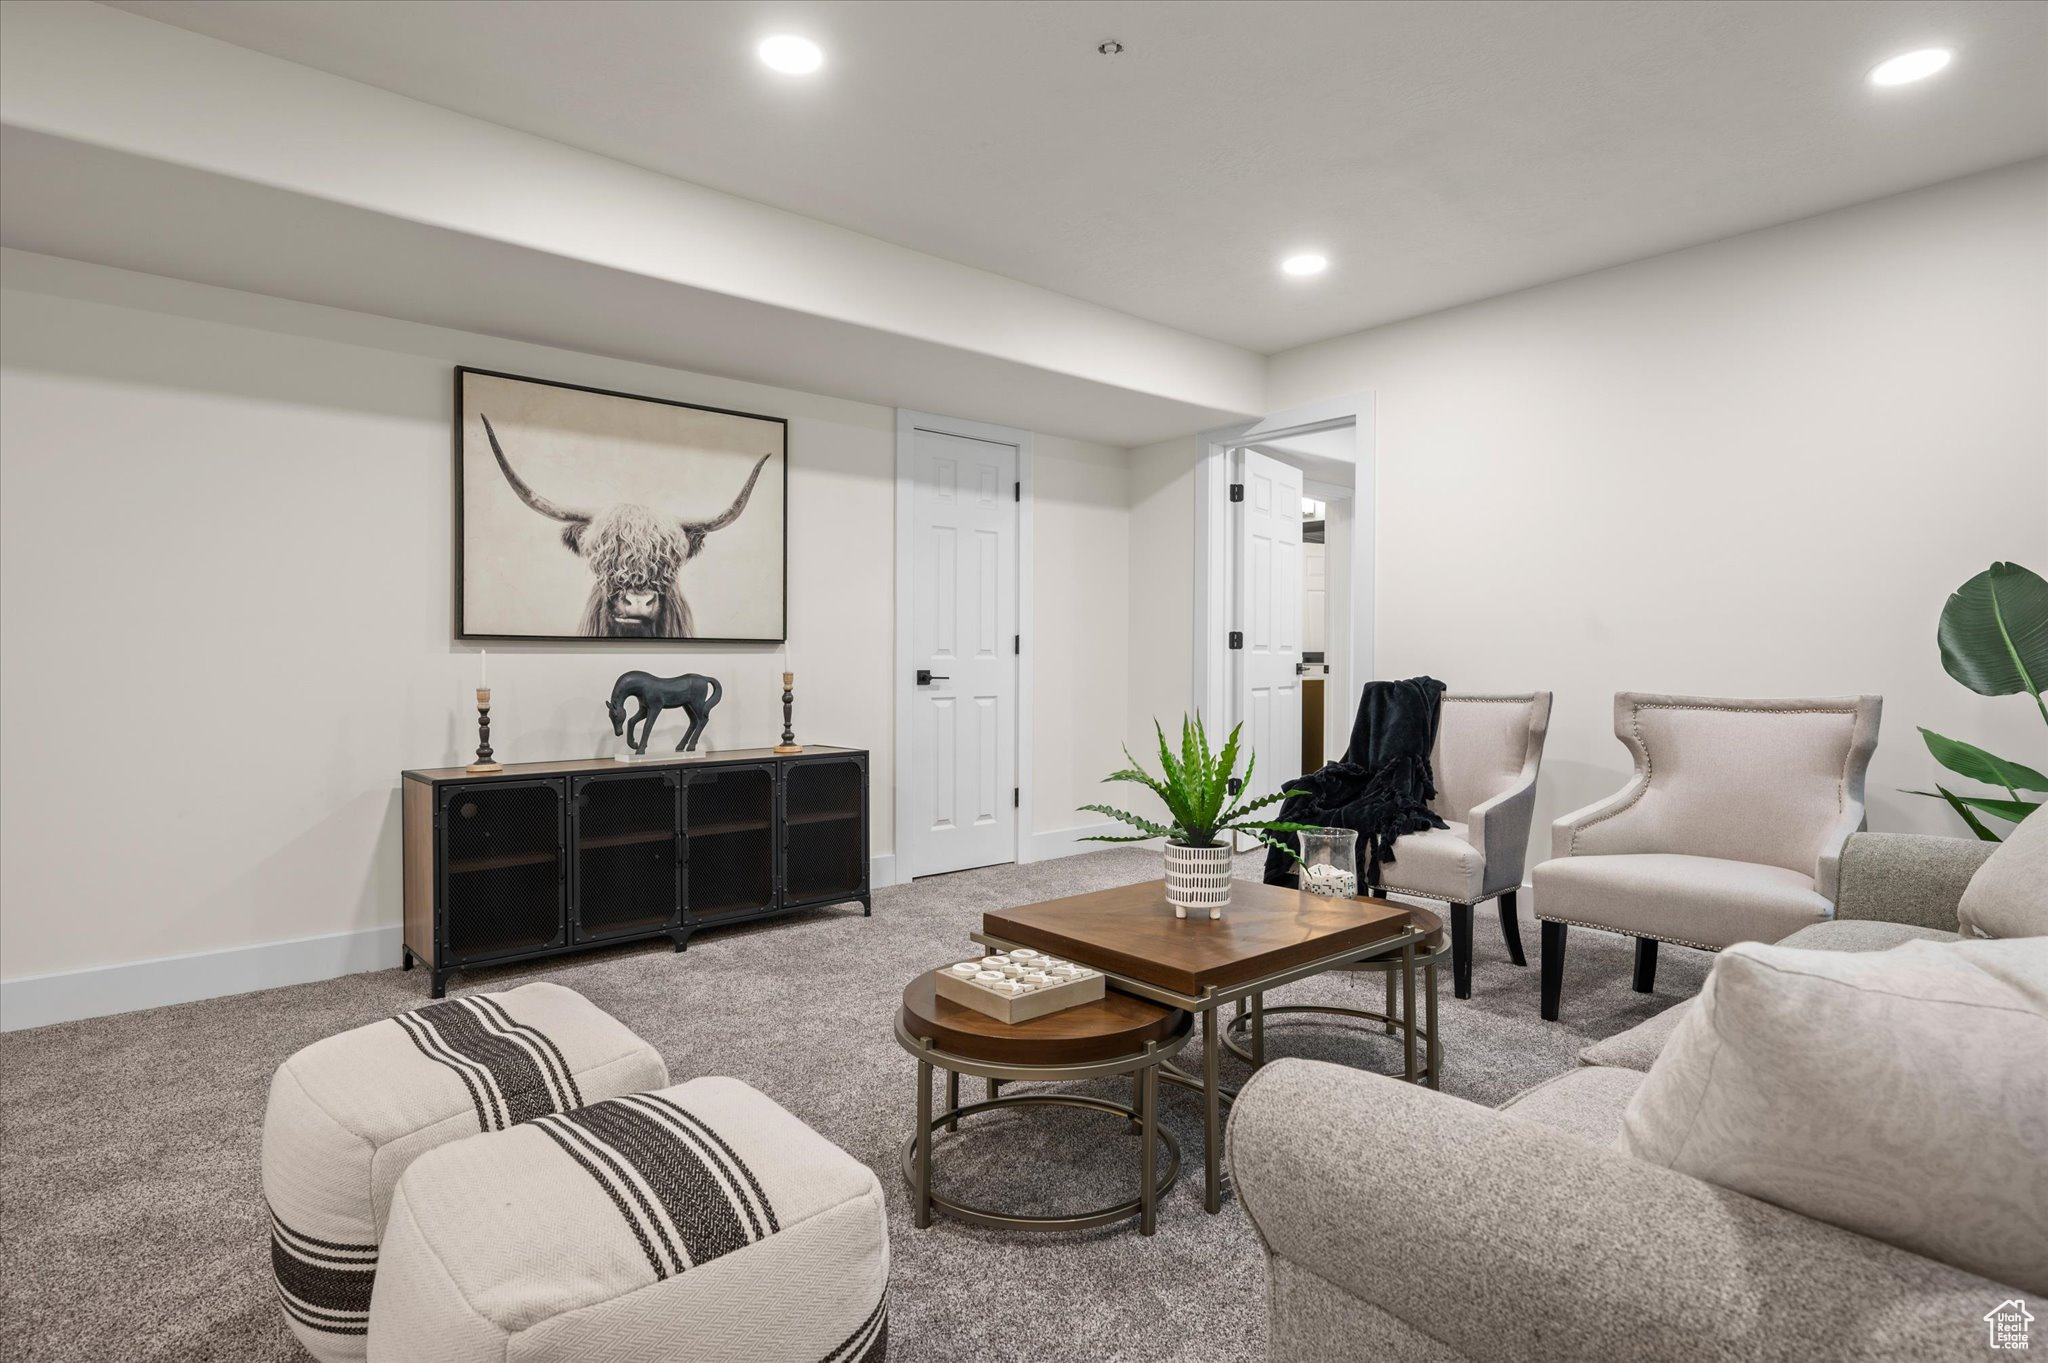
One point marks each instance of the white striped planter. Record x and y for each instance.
(1197, 878)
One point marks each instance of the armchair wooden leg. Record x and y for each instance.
(1511, 928)
(1461, 950)
(1646, 964)
(1553, 968)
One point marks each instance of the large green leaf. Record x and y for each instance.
(1967, 759)
(1962, 811)
(2012, 811)
(1994, 633)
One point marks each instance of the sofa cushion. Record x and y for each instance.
(2008, 896)
(347, 1115)
(1438, 863)
(1899, 1094)
(1639, 1046)
(1587, 1103)
(1694, 901)
(697, 1224)
(1861, 934)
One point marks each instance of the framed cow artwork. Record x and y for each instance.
(588, 514)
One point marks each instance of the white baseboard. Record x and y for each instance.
(1066, 842)
(39, 1000)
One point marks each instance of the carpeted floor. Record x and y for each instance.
(131, 1215)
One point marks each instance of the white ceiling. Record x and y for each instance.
(1438, 152)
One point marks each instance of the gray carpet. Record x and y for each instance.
(132, 1221)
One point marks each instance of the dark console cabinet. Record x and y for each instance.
(549, 857)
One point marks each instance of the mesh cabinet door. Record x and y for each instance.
(825, 843)
(729, 825)
(502, 869)
(625, 832)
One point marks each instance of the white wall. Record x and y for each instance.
(225, 618)
(1082, 613)
(1755, 467)
(1161, 574)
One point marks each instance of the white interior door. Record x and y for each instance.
(963, 684)
(1270, 609)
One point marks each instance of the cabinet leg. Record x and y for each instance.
(867, 907)
(440, 989)
(681, 939)
(407, 963)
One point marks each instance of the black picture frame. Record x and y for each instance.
(462, 631)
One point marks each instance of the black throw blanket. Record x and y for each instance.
(1381, 787)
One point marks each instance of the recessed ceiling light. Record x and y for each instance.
(1305, 264)
(791, 55)
(1908, 67)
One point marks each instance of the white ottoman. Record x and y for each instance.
(348, 1114)
(700, 1224)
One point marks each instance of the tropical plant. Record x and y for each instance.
(1994, 640)
(1196, 789)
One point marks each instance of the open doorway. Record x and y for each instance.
(1284, 561)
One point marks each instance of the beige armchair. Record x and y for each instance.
(1730, 831)
(1488, 750)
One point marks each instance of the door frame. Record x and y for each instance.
(1216, 682)
(908, 424)
(1338, 521)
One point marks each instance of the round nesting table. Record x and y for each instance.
(1431, 952)
(1115, 1035)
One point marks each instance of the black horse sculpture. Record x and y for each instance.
(692, 693)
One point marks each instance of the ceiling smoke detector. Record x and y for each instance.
(1110, 48)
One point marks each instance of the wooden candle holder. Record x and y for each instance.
(485, 760)
(788, 744)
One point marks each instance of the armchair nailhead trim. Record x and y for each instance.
(1609, 927)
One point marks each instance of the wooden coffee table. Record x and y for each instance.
(1268, 936)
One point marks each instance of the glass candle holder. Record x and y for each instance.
(1329, 862)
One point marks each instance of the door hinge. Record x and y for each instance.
(1016, 797)
(1237, 638)
(1237, 492)
(1017, 491)
(1017, 644)
(1236, 784)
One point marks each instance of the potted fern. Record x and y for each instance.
(1197, 789)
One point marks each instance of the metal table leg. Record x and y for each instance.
(953, 1098)
(1212, 1118)
(1408, 1010)
(1436, 1047)
(1258, 1030)
(1148, 1157)
(921, 1198)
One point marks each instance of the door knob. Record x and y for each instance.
(925, 677)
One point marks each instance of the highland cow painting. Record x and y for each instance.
(585, 514)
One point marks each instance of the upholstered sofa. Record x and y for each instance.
(1401, 1223)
